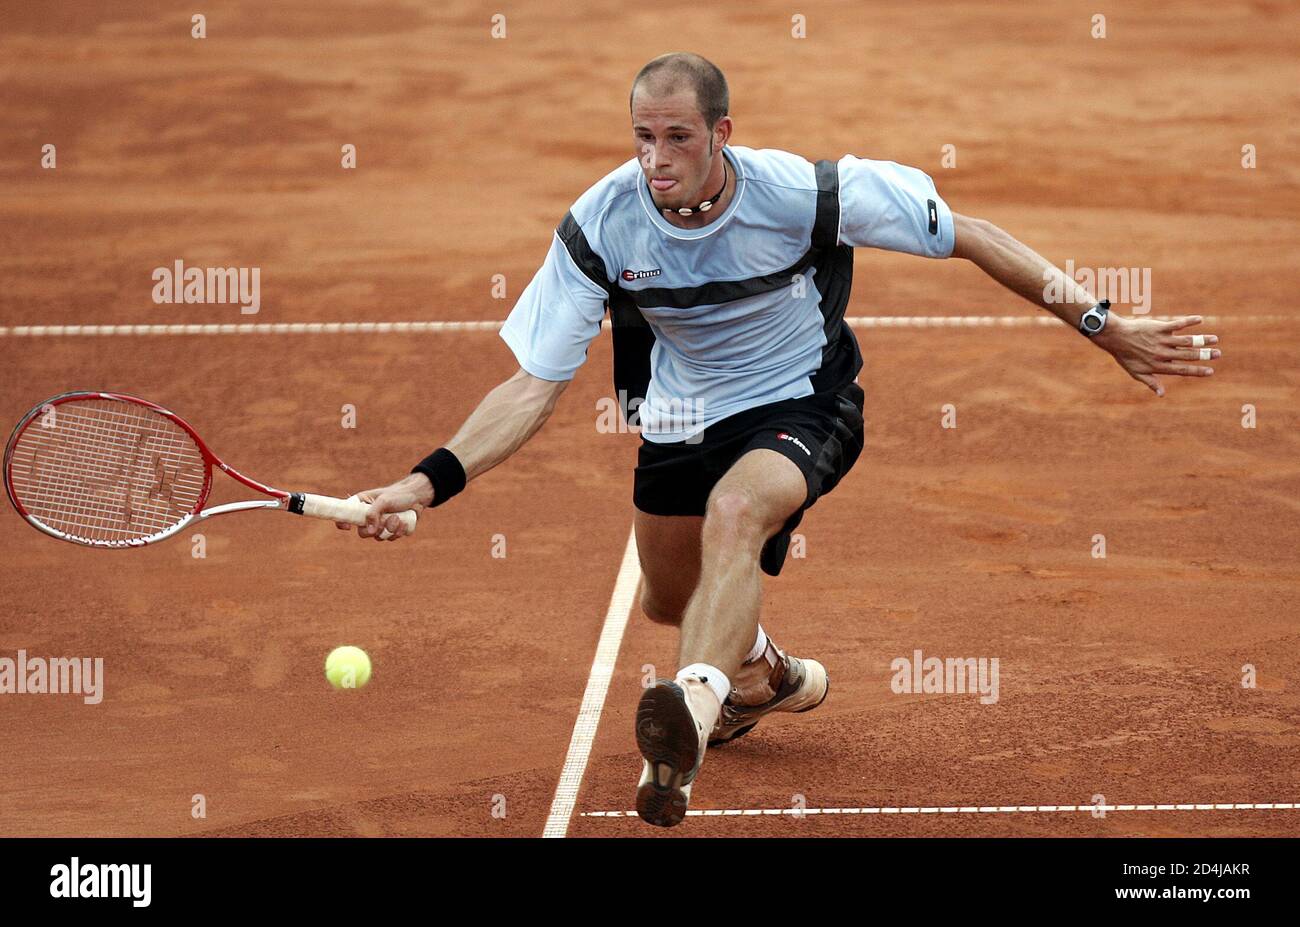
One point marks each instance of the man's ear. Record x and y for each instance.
(721, 129)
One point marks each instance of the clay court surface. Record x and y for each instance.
(1120, 677)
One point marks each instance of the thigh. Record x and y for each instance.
(669, 549)
(819, 437)
(769, 486)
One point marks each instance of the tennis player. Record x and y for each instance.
(726, 272)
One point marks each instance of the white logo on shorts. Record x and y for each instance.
(785, 436)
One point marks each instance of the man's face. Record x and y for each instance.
(672, 144)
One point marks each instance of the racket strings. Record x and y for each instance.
(97, 482)
(107, 471)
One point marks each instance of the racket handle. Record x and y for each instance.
(353, 510)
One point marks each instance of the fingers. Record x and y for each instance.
(1150, 382)
(1191, 354)
(1184, 370)
(394, 527)
(1190, 348)
(1186, 321)
(383, 521)
(1178, 349)
(391, 527)
(367, 496)
(1192, 341)
(374, 519)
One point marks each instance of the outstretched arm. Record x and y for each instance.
(506, 418)
(1143, 347)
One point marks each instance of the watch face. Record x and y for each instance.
(1092, 322)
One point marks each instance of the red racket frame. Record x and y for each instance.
(210, 460)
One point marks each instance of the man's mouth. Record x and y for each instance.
(663, 183)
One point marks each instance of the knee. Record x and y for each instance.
(732, 514)
(659, 610)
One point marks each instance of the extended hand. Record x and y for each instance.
(1146, 347)
(415, 492)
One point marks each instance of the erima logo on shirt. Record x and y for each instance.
(783, 436)
(641, 274)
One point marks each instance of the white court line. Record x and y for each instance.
(367, 328)
(250, 328)
(593, 699)
(970, 809)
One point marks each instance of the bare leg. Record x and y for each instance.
(747, 506)
(674, 719)
(669, 548)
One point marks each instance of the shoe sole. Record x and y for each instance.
(745, 730)
(669, 743)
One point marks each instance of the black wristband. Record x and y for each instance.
(444, 472)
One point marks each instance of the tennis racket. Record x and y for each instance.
(108, 470)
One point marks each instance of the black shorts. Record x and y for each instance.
(822, 434)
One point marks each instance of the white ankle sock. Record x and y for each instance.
(711, 676)
(760, 644)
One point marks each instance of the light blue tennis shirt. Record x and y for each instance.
(742, 312)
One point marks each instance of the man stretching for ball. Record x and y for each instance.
(726, 273)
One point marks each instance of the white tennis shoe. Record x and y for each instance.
(673, 720)
(773, 682)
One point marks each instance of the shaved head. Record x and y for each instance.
(680, 127)
(678, 71)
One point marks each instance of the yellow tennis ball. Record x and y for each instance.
(347, 668)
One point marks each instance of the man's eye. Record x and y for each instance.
(679, 138)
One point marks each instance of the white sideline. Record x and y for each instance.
(971, 809)
(593, 699)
